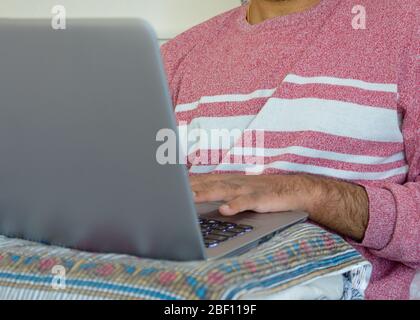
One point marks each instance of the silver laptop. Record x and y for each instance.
(79, 112)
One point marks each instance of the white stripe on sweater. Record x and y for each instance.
(333, 117)
(371, 86)
(329, 116)
(265, 93)
(318, 154)
(291, 78)
(297, 167)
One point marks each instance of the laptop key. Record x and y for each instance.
(221, 228)
(211, 243)
(213, 222)
(228, 225)
(246, 228)
(209, 228)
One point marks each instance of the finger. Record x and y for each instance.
(204, 178)
(249, 202)
(213, 191)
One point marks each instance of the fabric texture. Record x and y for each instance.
(330, 99)
(296, 256)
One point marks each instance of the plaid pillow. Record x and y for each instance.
(298, 255)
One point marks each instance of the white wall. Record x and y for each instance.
(169, 17)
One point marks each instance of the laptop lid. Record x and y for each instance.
(79, 113)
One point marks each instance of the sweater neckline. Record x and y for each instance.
(318, 11)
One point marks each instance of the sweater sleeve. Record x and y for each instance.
(393, 231)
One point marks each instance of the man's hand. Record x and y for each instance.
(338, 205)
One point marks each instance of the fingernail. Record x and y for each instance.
(225, 207)
(194, 194)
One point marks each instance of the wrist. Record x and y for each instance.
(307, 193)
(338, 205)
(313, 195)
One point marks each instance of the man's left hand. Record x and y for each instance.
(339, 205)
(264, 193)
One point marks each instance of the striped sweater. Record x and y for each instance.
(329, 100)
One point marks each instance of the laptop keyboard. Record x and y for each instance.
(215, 231)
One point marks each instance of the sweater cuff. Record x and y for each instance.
(382, 218)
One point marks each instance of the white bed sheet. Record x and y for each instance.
(346, 284)
(326, 288)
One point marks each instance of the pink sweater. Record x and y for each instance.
(332, 100)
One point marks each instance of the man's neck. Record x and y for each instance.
(261, 10)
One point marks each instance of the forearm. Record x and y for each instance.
(340, 206)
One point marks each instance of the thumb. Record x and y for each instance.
(239, 204)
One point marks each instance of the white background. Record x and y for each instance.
(169, 17)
